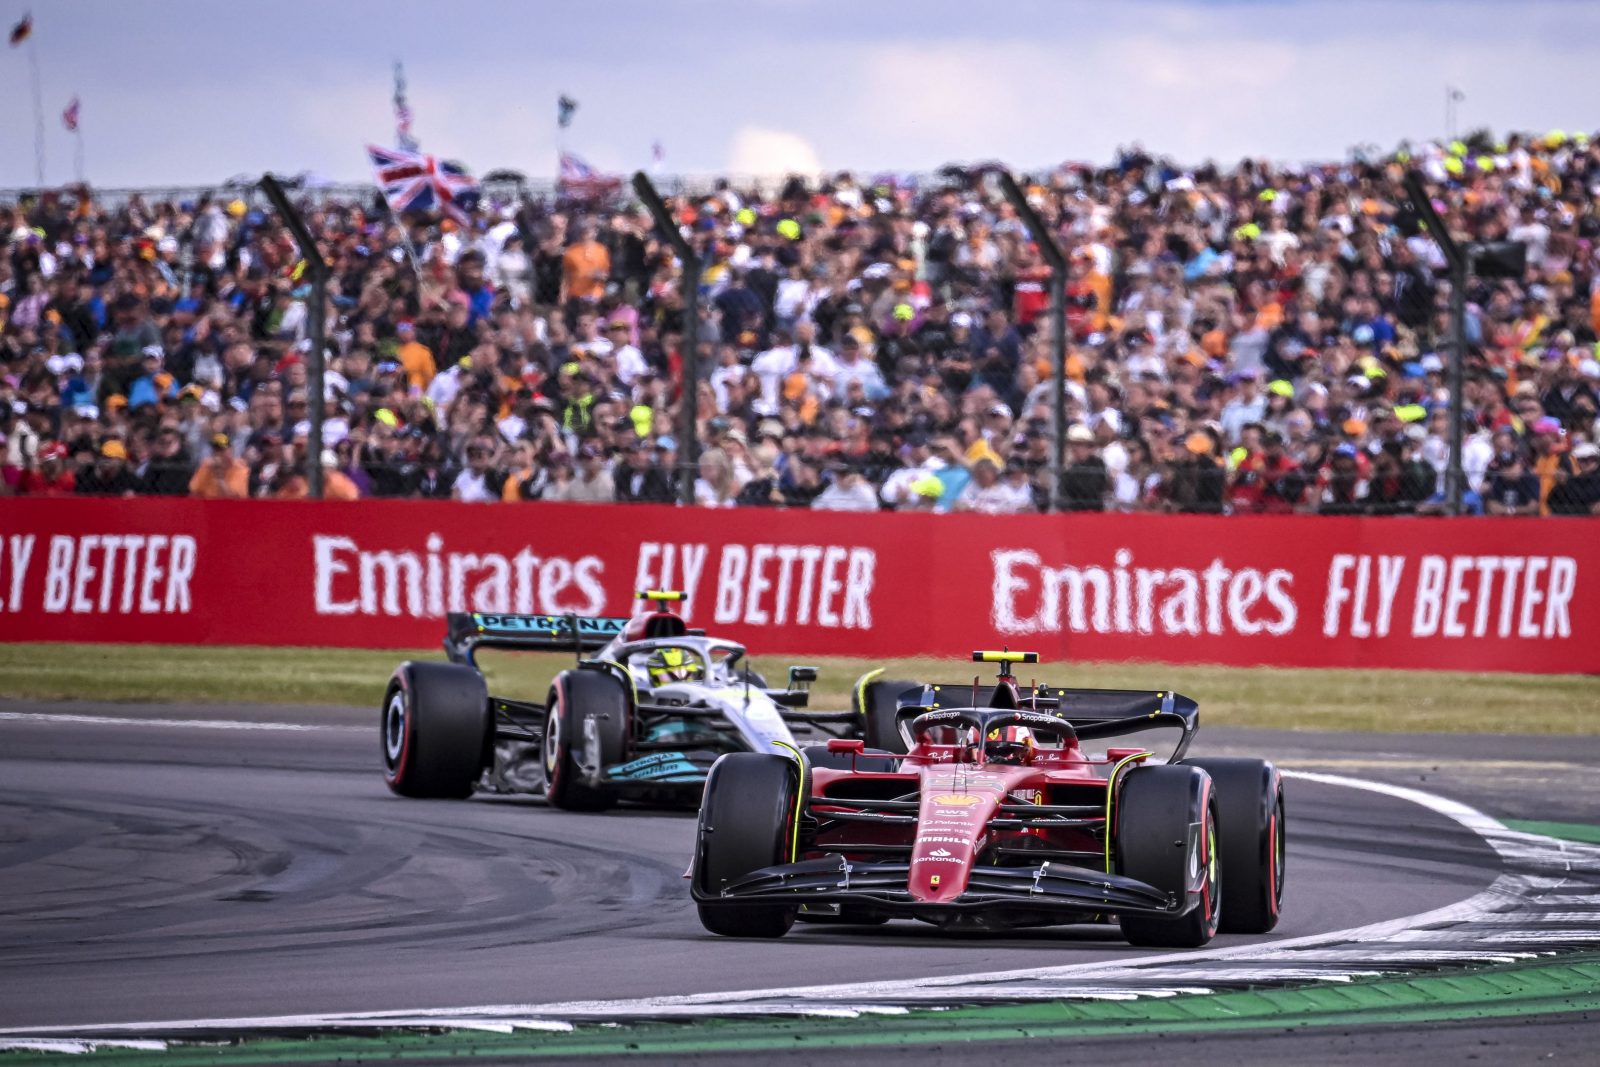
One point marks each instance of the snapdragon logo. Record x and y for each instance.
(352, 580)
(1030, 597)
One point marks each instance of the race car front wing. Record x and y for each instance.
(883, 887)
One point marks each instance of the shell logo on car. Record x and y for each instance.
(956, 800)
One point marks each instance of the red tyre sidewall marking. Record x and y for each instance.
(552, 775)
(399, 774)
(1273, 902)
(1206, 832)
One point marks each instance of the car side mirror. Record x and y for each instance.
(802, 677)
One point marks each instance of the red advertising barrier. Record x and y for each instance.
(1301, 591)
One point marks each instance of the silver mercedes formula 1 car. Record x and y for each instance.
(648, 707)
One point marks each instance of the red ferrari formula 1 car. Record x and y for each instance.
(998, 815)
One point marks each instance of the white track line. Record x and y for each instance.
(1562, 865)
(197, 724)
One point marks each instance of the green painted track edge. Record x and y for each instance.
(1517, 990)
(1567, 831)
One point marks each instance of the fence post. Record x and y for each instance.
(317, 269)
(1058, 323)
(688, 445)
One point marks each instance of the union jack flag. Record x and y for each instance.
(415, 181)
(577, 178)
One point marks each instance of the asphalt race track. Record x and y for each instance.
(155, 869)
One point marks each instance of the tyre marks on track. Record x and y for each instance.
(1545, 902)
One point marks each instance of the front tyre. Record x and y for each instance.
(579, 697)
(1250, 840)
(1166, 837)
(433, 728)
(747, 822)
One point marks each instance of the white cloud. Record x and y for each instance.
(890, 86)
(755, 150)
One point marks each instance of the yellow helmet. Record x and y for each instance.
(673, 665)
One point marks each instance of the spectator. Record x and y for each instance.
(1197, 480)
(585, 266)
(1084, 482)
(592, 484)
(482, 480)
(716, 486)
(1267, 480)
(1341, 487)
(167, 470)
(1551, 463)
(1302, 300)
(414, 356)
(1513, 489)
(848, 491)
(109, 474)
(222, 475)
(986, 493)
(52, 477)
(641, 481)
(336, 485)
(1580, 494)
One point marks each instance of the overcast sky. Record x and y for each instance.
(190, 92)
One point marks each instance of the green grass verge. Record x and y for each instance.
(1515, 991)
(1302, 699)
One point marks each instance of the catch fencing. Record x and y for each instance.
(1291, 591)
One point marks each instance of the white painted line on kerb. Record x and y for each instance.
(1098, 980)
(195, 724)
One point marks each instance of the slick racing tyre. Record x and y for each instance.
(1250, 840)
(1153, 813)
(577, 697)
(434, 729)
(874, 702)
(747, 822)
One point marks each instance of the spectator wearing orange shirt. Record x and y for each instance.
(1551, 463)
(584, 269)
(336, 485)
(414, 356)
(223, 476)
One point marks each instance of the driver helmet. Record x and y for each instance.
(673, 665)
(1010, 744)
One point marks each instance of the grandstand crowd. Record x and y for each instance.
(1254, 339)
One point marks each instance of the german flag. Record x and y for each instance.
(22, 30)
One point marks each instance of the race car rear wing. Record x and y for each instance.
(1093, 713)
(467, 631)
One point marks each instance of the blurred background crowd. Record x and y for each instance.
(1253, 339)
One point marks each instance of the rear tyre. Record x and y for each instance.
(747, 822)
(875, 703)
(434, 728)
(1154, 812)
(1250, 840)
(577, 697)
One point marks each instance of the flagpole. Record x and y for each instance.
(77, 153)
(38, 114)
